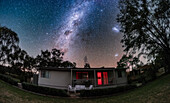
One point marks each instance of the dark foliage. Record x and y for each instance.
(52, 58)
(2, 69)
(87, 65)
(9, 80)
(108, 91)
(12, 55)
(44, 90)
(9, 42)
(145, 25)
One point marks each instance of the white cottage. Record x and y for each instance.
(62, 78)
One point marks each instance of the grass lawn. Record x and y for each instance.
(157, 91)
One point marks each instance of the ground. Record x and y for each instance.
(157, 91)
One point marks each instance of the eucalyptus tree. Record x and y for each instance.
(145, 25)
(53, 58)
(67, 64)
(9, 42)
(128, 61)
(57, 57)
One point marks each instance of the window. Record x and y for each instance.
(82, 75)
(119, 74)
(102, 78)
(45, 74)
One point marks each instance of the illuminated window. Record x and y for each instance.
(99, 78)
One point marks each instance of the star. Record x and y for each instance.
(101, 10)
(69, 31)
(78, 27)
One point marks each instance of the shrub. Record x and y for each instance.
(9, 80)
(44, 90)
(2, 70)
(108, 91)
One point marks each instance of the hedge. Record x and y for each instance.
(108, 91)
(44, 90)
(9, 80)
(2, 70)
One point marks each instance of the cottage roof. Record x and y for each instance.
(75, 69)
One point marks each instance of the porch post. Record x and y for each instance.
(94, 78)
(71, 78)
(114, 76)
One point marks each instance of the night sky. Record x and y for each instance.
(77, 27)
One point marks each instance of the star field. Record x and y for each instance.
(78, 27)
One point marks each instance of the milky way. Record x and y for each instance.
(71, 25)
(78, 27)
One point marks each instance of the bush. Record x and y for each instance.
(9, 80)
(44, 90)
(108, 91)
(2, 69)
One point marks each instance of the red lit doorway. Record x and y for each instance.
(99, 78)
(102, 78)
(105, 78)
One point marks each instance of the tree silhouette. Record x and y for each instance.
(43, 59)
(159, 61)
(57, 57)
(12, 55)
(86, 65)
(146, 26)
(128, 62)
(67, 64)
(53, 59)
(123, 62)
(8, 44)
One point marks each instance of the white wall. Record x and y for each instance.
(57, 79)
(123, 79)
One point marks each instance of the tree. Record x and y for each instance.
(67, 64)
(57, 57)
(53, 58)
(86, 65)
(146, 26)
(129, 62)
(124, 62)
(43, 59)
(22, 63)
(159, 62)
(28, 63)
(12, 55)
(135, 63)
(9, 42)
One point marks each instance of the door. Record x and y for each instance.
(99, 78)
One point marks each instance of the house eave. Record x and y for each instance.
(77, 69)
